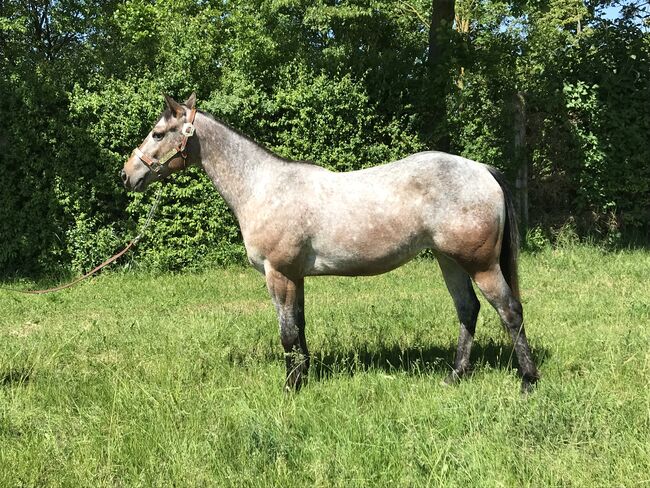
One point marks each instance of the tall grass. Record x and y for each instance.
(175, 380)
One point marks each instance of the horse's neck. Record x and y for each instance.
(234, 163)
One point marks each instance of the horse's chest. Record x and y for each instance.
(280, 250)
(256, 258)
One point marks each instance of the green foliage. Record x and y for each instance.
(345, 84)
(536, 241)
(331, 121)
(585, 111)
(193, 227)
(587, 81)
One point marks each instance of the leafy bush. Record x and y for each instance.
(347, 85)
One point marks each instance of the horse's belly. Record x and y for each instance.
(355, 257)
(345, 267)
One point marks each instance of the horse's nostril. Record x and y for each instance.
(123, 176)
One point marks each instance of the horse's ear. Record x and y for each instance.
(191, 102)
(173, 105)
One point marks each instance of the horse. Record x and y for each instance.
(298, 219)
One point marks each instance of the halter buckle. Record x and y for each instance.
(188, 129)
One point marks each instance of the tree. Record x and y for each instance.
(438, 73)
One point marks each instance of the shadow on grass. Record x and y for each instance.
(415, 361)
(15, 377)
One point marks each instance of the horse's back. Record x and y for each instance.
(373, 220)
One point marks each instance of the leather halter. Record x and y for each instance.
(156, 165)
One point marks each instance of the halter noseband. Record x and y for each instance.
(156, 165)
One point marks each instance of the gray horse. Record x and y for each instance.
(299, 219)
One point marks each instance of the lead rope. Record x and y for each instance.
(150, 215)
(110, 260)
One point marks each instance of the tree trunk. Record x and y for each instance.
(442, 21)
(521, 159)
(438, 79)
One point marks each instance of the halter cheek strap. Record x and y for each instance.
(156, 165)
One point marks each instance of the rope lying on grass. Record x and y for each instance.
(110, 260)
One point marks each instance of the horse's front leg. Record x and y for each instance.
(288, 296)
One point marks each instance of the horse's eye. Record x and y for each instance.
(157, 136)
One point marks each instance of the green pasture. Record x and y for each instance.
(175, 380)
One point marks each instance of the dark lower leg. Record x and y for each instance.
(296, 355)
(499, 294)
(512, 316)
(465, 340)
(467, 307)
(515, 326)
(462, 363)
(289, 299)
(303, 348)
(297, 365)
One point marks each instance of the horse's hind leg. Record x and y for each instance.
(467, 306)
(495, 288)
(289, 299)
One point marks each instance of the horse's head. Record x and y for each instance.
(166, 149)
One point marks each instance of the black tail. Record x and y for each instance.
(510, 243)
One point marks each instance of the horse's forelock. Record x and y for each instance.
(166, 114)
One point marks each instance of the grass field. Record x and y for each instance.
(175, 380)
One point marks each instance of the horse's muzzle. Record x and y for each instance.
(130, 185)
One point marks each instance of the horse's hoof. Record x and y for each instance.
(294, 385)
(528, 385)
(452, 378)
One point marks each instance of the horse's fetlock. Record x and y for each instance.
(528, 383)
(289, 338)
(516, 308)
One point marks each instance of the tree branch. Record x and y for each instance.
(417, 13)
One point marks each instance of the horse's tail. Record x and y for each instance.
(510, 242)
